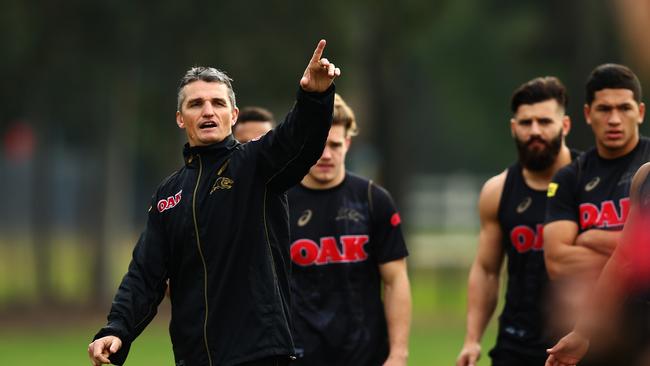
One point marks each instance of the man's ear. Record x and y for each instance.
(586, 111)
(566, 125)
(179, 120)
(234, 116)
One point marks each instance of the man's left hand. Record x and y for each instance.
(395, 361)
(320, 73)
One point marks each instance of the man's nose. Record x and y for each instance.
(327, 153)
(207, 110)
(614, 117)
(535, 128)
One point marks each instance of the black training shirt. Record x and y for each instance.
(339, 238)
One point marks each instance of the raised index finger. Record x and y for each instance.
(318, 52)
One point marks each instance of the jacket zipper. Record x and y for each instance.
(205, 267)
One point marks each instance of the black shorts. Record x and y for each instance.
(501, 357)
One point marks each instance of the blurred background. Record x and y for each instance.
(87, 131)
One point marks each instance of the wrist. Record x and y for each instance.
(399, 353)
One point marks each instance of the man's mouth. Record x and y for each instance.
(614, 134)
(536, 143)
(207, 124)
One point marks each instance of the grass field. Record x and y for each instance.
(436, 337)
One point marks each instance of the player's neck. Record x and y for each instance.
(539, 180)
(312, 183)
(606, 153)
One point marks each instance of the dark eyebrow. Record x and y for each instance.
(193, 100)
(220, 100)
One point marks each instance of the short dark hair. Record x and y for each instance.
(208, 74)
(257, 114)
(538, 90)
(612, 76)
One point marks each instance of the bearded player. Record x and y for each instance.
(512, 207)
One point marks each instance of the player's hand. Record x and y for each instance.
(568, 351)
(396, 360)
(320, 73)
(100, 349)
(469, 355)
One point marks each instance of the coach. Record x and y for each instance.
(217, 229)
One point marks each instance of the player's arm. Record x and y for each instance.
(601, 241)
(289, 150)
(483, 283)
(563, 258)
(610, 290)
(561, 254)
(137, 298)
(397, 307)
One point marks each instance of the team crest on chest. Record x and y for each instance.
(346, 213)
(222, 183)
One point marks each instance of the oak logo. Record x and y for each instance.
(523, 206)
(304, 218)
(306, 252)
(525, 238)
(607, 215)
(169, 202)
(592, 184)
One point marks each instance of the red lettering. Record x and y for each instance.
(329, 252)
(353, 247)
(608, 216)
(522, 238)
(539, 238)
(588, 215)
(625, 208)
(169, 202)
(304, 252)
(162, 205)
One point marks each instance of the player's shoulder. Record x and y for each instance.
(170, 180)
(490, 196)
(494, 185)
(642, 172)
(639, 179)
(578, 163)
(375, 190)
(359, 183)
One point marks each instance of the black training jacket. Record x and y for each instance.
(218, 230)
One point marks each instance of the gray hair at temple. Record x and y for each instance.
(207, 74)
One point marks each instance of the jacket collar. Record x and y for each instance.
(209, 152)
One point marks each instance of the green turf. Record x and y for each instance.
(436, 337)
(431, 344)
